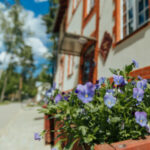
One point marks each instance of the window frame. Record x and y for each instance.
(135, 18)
(143, 11)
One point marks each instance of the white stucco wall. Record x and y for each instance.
(75, 26)
(70, 10)
(90, 27)
(136, 47)
(58, 72)
(71, 81)
(75, 20)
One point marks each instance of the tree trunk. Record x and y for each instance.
(20, 88)
(4, 88)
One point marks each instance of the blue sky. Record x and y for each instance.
(40, 42)
(39, 7)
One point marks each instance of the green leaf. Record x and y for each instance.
(83, 129)
(70, 145)
(115, 119)
(128, 68)
(113, 71)
(89, 138)
(148, 86)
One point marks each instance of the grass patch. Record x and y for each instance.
(4, 103)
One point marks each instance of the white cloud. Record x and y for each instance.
(38, 47)
(36, 26)
(6, 58)
(37, 39)
(39, 1)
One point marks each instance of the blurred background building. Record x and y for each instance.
(95, 35)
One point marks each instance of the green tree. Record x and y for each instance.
(15, 46)
(49, 20)
(50, 17)
(8, 39)
(44, 76)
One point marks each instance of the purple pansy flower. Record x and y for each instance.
(138, 103)
(141, 118)
(76, 91)
(140, 78)
(124, 82)
(48, 93)
(135, 63)
(100, 82)
(118, 79)
(86, 92)
(133, 82)
(109, 100)
(54, 86)
(58, 98)
(54, 148)
(37, 136)
(63, 93)
(142, 84)
(138, 94)
(97, 86)
(110, 91)
(66, 97)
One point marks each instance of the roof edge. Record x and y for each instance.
(63, 5)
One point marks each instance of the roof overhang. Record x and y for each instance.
(63, 4)
(73, 43)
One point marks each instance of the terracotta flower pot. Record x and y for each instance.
(49, 127)
(143, 144)
(57, 127)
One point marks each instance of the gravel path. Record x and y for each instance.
(17, 128)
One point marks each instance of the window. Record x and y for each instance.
(135, 13)
(143, 11)
(88, 64)
(90, 5)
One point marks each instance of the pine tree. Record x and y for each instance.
(15, 46)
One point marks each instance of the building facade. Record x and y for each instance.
(95, 35)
